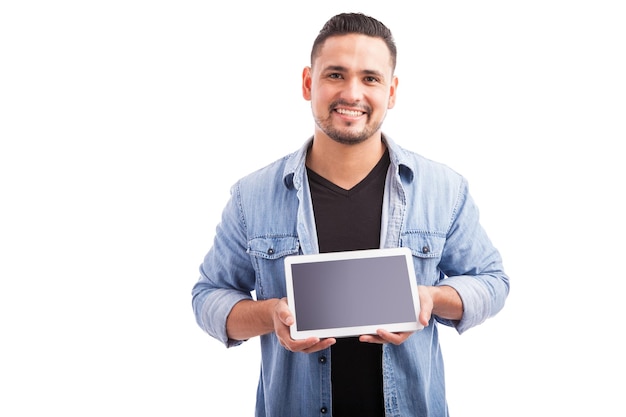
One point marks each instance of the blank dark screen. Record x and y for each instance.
(353, 292)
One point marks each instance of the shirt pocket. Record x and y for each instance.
(267, 254)
(426, 249)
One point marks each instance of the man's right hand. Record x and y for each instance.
(283, 318)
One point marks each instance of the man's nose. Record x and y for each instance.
(352, 91)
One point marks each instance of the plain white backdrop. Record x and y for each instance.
(123, 125)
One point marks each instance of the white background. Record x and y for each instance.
(124, 123)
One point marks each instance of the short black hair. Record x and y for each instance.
(347, 23)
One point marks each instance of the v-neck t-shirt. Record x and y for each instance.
(350, 220)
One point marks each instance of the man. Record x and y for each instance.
(349, 187)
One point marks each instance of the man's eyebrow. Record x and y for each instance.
(339, 68)
(375, 73)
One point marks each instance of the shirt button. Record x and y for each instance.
(322, 359)
(323, 410)
(270, 251)
(425, 250)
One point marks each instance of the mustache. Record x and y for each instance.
(357, 106)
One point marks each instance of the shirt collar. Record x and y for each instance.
(295, 166)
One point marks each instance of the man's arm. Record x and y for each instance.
(442, 301)
(472, 266)
(250, 318)
(446, 302)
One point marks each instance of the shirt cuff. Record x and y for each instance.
(217, 306)
(476, 301)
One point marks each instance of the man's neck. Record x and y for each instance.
(344, 165)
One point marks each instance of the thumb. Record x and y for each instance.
(284, 314)
(424, 317)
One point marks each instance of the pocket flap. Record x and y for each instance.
(273, 247)
(424, 245)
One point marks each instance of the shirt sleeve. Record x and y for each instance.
(472, 265)
(226, 274)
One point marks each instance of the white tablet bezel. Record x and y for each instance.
(353, 330)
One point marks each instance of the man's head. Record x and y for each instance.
(347, 23)
(351, 81)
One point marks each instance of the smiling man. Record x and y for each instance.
(351, 85)
(349, 187)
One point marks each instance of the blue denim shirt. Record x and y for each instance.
(427, 207)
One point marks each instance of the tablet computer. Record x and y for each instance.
(341, 294)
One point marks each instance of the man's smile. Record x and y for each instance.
(347, 112)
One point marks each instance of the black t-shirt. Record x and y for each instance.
(350, 220)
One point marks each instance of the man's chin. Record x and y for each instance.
(346, 135)
(349, 137)
(349, 140)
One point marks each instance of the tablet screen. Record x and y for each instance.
(352, 293)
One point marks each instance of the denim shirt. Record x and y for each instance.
(426, 207)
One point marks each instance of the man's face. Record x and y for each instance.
(350, 86)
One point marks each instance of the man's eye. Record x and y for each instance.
(371, 79)
(335, 75)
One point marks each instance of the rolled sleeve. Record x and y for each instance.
(473, 266)
(473, 296)
(215, 310)
(226, 275)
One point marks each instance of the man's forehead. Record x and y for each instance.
(354, 49)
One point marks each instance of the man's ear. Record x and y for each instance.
(306, 83)
(392, 92)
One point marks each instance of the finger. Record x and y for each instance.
(426, 305)
(323, 344)
(286, 317)
(299, 345)
(295, 345)
(424, 318)
(309, 345)
(371, 338)
(284, 313)
(395, 338)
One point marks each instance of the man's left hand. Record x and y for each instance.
(383, 336)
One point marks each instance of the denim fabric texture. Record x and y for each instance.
(427, 208)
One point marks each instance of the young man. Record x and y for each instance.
(349, 187)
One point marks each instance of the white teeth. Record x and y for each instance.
(349, 112)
